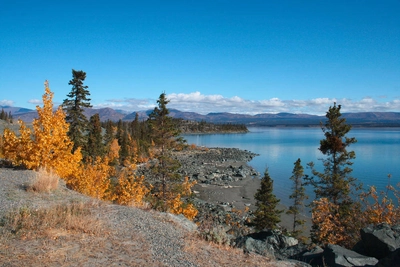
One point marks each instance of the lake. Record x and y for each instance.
(377, 153)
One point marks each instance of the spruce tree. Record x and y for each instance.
(124, 151)
(335, 183)
(74, 107)
(267, 216)
(166, 137)
(3, 115)
(95, 146)
(334, 208)
(109, 133)
(298, 195)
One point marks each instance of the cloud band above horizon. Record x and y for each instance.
(204, 104)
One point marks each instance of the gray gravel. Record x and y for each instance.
(13, 194)
(166, 239)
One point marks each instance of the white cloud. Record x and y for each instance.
(6, 102)
(35, 101)
(203, 104)
(128, 104)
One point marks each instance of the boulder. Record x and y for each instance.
(275, 238)
(381, 240)
(259, 247)
(335, 255)
(293, 252)
(288, 241)
(314, 256)
(393, 260)
(272, 243)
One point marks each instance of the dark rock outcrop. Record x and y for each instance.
(313, 256)
(337, 256)
(393, 260)
(379, 246)
(381, 240)
(273, 244)
(257, 246)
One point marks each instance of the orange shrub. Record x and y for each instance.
(48, 145)
(130, 189)
(93, 178)
(327, 226)
(379, 207)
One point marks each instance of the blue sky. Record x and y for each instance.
(252, 56)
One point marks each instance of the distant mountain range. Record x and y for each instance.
(361, 119)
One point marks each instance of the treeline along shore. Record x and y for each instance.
(203, 127)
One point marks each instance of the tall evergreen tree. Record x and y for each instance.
(95, 146)
(166, 137)
(109, 134)
(335, 182)
(135, 127)
(124, 151)
(334, 209)
(3, 114)
(74, 108)
(298, 195)
(267, 216)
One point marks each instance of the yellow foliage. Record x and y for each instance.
(130, 189)
(329, 226)
(190, 211)
(93, 178)
(186, 189)
(48, 145)
(192, 147)
(174, 201)
(113, 153)
(132, 149)
(18, 149)
(330, 229)
(176, 206)
(380, 209)
(1, 147)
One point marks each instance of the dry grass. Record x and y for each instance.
(28, 223)
(44, 181)
(68, 235)
(77, 250)
(211, 254)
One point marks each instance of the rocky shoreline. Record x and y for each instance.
(227, 183)
(222, 174)
(216, 166)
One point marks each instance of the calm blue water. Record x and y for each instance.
(377, 153)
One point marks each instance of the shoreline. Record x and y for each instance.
(225, 179)
(239, 195)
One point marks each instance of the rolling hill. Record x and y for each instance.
(361, 119)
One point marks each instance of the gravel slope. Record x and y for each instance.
(129, 236)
